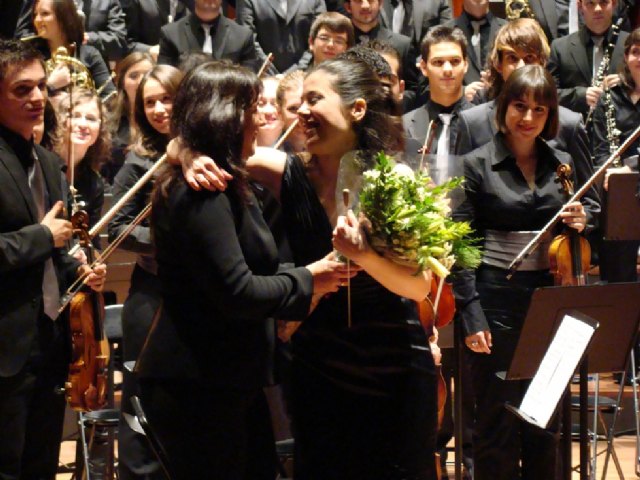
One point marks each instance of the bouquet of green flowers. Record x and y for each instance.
(408, 219)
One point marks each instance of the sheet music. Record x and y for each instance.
(556, 369)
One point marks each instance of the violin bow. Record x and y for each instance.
(284, 136)
(265, 64)
(535, 241)
(428, 140)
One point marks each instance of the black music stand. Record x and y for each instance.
(622, 207)
(616, 307)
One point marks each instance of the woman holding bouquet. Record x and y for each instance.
(363, 393)
(511, 191)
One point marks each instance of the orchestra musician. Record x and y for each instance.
(204, 363)
(151, 113)
(58, 24)
(510, 192)
(34, 270)
(83, 126)
(363, 396)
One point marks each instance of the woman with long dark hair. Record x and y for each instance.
(129, 72)
(363, 395)
(152, 108)
(58, 24)
(206, 358)
(511, 192)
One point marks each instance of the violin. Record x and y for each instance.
(437, 311)
(570, 252)
(86, 387)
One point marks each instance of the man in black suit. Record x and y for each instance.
(479, 27)
(518, 43)
(575, 59)
(284, 33)
(34, 271)
(145, 18)
(104, 26)
(366, 23)
(413, 18)
(207, 30)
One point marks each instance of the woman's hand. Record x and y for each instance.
(329, 275)
(349, 239)
(574, 216)
(199, 171)
(436, 353)
(613, 171)
(479, 342)
(59, 78)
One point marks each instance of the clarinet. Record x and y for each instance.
(613, 133)
(598, 79)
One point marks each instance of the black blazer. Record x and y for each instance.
(424, 16)
(475, 64)
(570, 67)
(230, 41)
(286, 36)
(25, 245)
(218, 266)
(145, 18)
(477, 126)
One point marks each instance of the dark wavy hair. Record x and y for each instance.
(353, 79)
(625, 74)
(209, 114)
(147, 141)
(530, 79)
(122, 102)
(69, 20)
(100, 151)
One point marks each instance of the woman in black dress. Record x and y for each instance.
(152, 112)
(510, 192)
(204, 363)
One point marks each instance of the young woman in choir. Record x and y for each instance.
(270, 131)
(151, 113)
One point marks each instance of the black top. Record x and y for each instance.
(218, 267)
(627, 119)
(497, 197)
(385, 338)
(139, 240)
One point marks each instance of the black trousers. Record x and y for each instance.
(209, 432)
(135, 458)
(500, 440)
(32, 408)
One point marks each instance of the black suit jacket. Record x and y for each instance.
(145, 18)
(230, 41)
(284, 35)
(425, 14)
(571, 69)
(218, 266)
(475, 64)
(477, 127)
(25, 245)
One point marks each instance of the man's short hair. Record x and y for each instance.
(336, 23)
(16, 52)
(440, 34)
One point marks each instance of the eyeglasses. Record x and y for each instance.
(326, 39)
